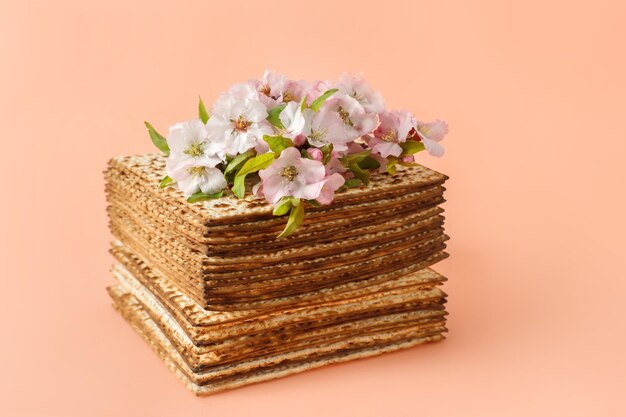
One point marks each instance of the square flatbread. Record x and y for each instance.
(206, 326)
(256, 371)
(296, 330)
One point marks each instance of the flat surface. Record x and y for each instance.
(534, 94)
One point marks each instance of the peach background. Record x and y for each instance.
(535, 96)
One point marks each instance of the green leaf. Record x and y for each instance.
(303, 104)
(278, 143)
(258, 162)
(296, 216)
(252, 165)
(364, 176)
(239, 186)
(391, 165)
(200, 196)
(158, 139)
(355, 157)
(353, 183)
(237, 161)
(283, 206)
(411, 147)
(369, 163)
(273, 116)
(204, 115)
(327, 151)
(165, 182)
(317, 103)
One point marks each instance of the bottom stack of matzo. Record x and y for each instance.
(211, 351)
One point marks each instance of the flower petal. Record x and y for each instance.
(309, 170)
(385, 149)
(188, 185)
(433, 148)
(434, 130)
(308, 191)
(212, 181)
(274, 188)
(331, 184)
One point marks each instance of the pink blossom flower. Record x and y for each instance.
(431, 134)
(239, 126)
(189, 145)
(296, 90)
(272, 85)
(395, 127)
(270, 88)
(191, 163)
(357, 89)
(324, 127)
(356, 120)
(315, 154)
(292, 175)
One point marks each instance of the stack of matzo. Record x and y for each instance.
(225, 303)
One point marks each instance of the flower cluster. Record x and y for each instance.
(299, 141)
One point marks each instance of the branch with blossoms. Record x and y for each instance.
(299, 142)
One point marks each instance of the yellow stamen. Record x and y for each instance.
(241, 124)
(195, 150)
(289, 173)
(317, 134)
(390, 136)
(265, 90)
(345, 116)
(196, 171)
